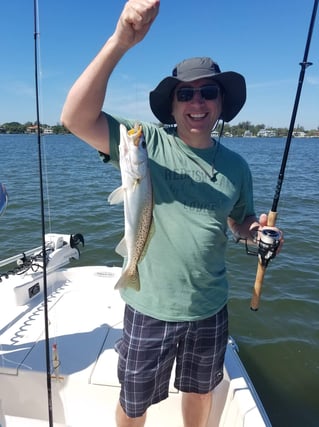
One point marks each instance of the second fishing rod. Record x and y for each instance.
(269, 241)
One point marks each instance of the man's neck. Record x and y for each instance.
(196, 140)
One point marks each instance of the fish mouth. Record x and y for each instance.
(136, 133)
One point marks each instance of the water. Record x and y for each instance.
(279, 344)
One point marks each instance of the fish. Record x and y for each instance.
(137, 194)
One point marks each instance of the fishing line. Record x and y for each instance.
(45, 287)
(272, 215)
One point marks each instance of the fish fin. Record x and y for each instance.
(121, 248)
(128, 281)
(117, 196)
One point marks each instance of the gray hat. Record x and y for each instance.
(232, 84)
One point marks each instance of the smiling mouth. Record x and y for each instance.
(197, 116)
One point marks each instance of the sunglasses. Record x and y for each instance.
(208, 92)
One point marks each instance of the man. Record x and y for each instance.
(199, 187)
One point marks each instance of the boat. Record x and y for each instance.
(83, 323)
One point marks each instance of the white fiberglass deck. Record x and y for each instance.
(85, 320)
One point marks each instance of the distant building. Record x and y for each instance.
(32, 129)
(299, 134)
(48, 131)
(266, 133)
(248, 134)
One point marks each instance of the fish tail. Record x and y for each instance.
(128, 280)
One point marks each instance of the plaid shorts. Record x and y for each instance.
(149, 347)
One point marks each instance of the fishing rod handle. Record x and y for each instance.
(255, 300)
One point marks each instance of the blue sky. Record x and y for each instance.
(263, 40)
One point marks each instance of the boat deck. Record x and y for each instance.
(85, 315)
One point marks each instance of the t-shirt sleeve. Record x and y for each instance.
(114, 130)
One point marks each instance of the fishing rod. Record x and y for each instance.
(269, 241)
(45, 286)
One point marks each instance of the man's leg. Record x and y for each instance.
(200, 363)
(196, 409)
(122, 420)
(144, 365)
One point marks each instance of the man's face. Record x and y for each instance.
(198, 115)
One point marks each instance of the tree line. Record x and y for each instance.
(243, 128)
(29, 127)
(235, 130)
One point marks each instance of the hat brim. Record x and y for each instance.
(234, 96)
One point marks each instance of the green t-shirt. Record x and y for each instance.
(183, 274)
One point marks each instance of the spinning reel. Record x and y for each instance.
(267, 246)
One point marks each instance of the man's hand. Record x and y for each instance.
(263, 221)
(135, 21)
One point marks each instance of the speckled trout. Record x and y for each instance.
(136, 193)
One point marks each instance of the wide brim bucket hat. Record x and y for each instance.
(232, 84)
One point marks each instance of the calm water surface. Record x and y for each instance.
(279, 344)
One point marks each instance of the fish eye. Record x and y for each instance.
(143, 144)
